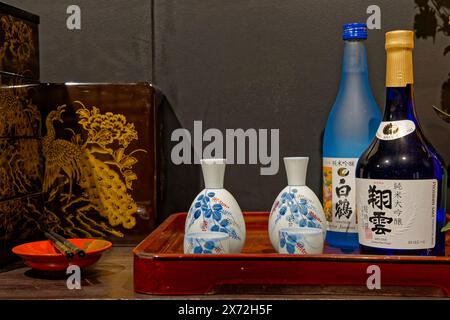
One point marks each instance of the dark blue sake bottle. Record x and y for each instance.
(400, 178)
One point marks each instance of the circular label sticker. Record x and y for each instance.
(391, 130)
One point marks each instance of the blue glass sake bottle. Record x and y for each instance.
(351, 126)
(400, 177)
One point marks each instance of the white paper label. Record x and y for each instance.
(391, 130)
(397, 214)
(339, 194)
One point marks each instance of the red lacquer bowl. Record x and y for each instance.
(42, 255)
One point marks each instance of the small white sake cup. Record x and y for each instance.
(207, 243)
(301, 241)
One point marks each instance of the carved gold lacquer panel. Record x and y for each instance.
(99, 163)
(19, 114)
(80, 160)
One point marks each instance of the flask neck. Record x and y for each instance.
(296, 168)
(213, 172)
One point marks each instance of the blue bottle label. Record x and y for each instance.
(339, 194)
(397, 214)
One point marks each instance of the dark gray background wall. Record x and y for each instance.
(239, 64)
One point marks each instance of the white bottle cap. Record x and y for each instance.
(213, 172)
(296, 168)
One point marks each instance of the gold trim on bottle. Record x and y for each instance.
(399, 62)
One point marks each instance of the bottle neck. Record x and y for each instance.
(399, 85)
(354, 66)
(354, 60)
(400, 104)
(399, 67)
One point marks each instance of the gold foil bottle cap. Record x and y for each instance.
(400, 39)
(399, 61)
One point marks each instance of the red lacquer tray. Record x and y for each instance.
(160, 267)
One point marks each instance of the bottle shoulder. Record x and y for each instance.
(353, 119)
(347, 115)
(347, 136)
(409, 157)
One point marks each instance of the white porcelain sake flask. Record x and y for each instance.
(296, 205)
(215, 209)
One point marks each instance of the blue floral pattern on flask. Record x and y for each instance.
(214, 217)
(298, 211)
